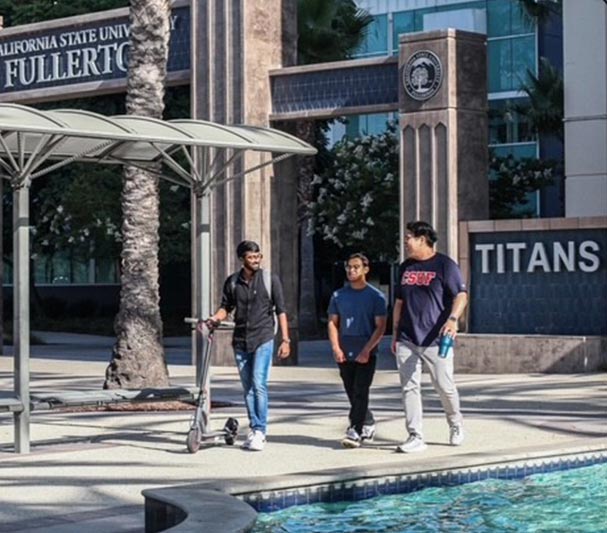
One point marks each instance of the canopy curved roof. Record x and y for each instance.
(29, 136)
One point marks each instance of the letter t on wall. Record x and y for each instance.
(484, 249)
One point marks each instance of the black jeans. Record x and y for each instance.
(357, 380)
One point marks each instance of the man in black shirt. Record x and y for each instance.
(257, 300)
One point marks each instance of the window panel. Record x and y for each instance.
(105, 271)
(80, 272)
(498, 18)
(520, 20)
(403, 22)
(500, 65)
(41, 270)
(523, 59)
(519, 151)
(376, 40)
(508, 61)
(506, 125)
(60, 269)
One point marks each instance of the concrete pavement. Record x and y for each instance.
(88, 469)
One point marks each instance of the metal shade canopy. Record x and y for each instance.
(29, 138)
(199, 154)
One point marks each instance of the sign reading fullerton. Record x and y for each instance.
(92, 51)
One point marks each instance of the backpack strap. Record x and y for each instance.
(232, 284)
(267, 281)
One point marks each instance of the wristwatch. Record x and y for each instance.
(288, 341)
(453, 318)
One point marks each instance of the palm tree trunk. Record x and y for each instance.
(138, 356)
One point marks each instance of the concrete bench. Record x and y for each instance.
(8, 403)
(61, 400)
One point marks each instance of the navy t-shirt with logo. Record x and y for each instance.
(427, 289)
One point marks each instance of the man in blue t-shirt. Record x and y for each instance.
(430, 296)
(357, 322)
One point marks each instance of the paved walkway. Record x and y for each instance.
(87, 469)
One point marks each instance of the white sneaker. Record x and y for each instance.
(456, 435)
(368, 432)
(247, 443)
(352, 439)
(258, 441)
(413, 444)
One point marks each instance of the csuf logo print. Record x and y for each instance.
(417, 278)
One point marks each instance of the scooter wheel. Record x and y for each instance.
(231, 427)
(230, 430)
(193, 440)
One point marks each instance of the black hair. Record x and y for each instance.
(246, 246)
(358, 255)
(420, 228)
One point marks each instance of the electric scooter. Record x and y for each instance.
(199, 428)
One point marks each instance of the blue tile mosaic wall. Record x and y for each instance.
(560, 288)
(339, 88)
(265, 502)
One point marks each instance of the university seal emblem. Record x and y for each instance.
(422, 75)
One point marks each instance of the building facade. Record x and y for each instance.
(515, 44)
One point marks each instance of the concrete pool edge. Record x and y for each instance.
(228, 506)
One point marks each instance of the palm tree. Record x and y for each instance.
(328, 30)
(138, 356)
(541, 10)
(545, 110)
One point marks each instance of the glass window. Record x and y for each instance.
(465, 19)
(41, 269)
(419, 18)
(500, 65)
(519, 151)
(520, 20)
(371, 124)
(505, 17)
(509, 60)
(60, 269)
(80, 271)
(403, 22)
(7, 274)
(106, 271)
(507, 124)
(376, 40)
(523, 59)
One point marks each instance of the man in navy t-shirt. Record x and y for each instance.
(430, 296)
(357, 321)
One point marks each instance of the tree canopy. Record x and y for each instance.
(356, 205)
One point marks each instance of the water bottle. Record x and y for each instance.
(446, 343)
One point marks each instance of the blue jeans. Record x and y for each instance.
(254, 369)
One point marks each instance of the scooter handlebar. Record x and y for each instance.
(196, 321)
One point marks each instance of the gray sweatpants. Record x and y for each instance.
(409, 358)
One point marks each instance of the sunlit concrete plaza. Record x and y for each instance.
(86, 470)
(457, 93)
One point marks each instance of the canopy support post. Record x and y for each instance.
(21, 314)
(201, 267)
(201, 256)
